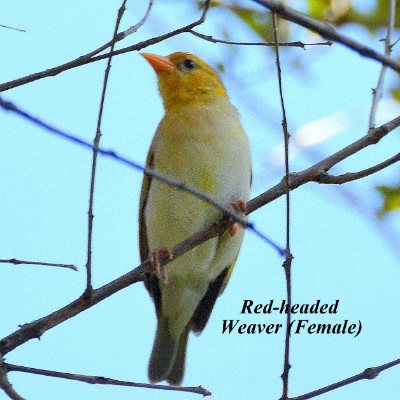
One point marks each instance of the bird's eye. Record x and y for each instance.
(188, 64)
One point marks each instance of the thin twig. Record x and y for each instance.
(395, 42)
(310, 174)
(149, 171)
(134, 28)
(74, 63)
(285, 12)
(313, 173)
(352, 176)
(104, 381)
(327, 31)
(377, 93)
(6, 385)
(281, 44)
(17, 262)
(96, 142)
(356, 199)
(369, 373)
(288, 255)
(14, 29)
(90, 57)
(36, 328)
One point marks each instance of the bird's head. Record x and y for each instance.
(184, 78)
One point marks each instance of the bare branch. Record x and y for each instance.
(14, 29)
(104, 381)
(324, 29)
(89, 58)
(6, 385)
(96, 142)
(296, 179)
(395, 42)
(149, 171)
(287, 264)
(369, 373)
(36, 328)
(319, 169)
(134, 28)
(17, 262)
(281, 44)
(327, 31)
(113, 155)
(377, 93)
(316, 173)
(352, 176)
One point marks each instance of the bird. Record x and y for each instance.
(199, 142)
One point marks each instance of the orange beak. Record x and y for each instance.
(159, 63)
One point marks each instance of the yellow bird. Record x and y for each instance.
(199, 141)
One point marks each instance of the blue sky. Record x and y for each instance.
(339, 251)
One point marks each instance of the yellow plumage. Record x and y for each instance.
(199, 141)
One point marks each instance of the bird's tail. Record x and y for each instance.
(167, 361)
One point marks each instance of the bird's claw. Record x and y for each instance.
(158, 268)
(240, 208)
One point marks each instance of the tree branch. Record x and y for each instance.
(134, 28)
(36, 328)
(281, 44)
(74, 63)
(316, 173)
(13, 28)
(352, 176)
(319, 169)
(324, 29)
(6, 385)
(96, 142)
(287, 264)
(149, 171)
(369, 373)
(327, 31)
(296, 179)
(377, 93)
(17, 262)
(89, 58)
(104, 381)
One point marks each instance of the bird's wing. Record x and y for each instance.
(143, 243)
(151, 281)
(216, 288)
(206, 305)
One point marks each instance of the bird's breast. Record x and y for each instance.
(204, 147)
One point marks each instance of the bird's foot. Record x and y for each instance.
(241, 209)
(158, 268)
